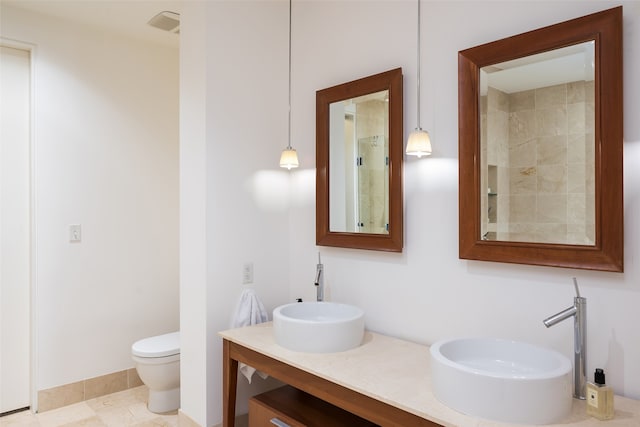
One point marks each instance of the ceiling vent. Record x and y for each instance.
(167, 21)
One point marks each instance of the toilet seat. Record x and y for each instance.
(158, 346)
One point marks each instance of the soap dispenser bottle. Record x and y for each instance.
(599, 397)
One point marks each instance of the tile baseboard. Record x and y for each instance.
(90, 388)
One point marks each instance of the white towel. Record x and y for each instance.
(250, 311)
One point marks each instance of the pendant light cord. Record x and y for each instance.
(289, 136)
(418, 121)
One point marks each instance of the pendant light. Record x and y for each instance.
(419, 143)
(289, 156)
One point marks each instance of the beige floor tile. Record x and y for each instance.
(88, 422)
(119, 399)
(141, 393)
(127, 408)
(65, 415)
(163, 421)
(125, 415)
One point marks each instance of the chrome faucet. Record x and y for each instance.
(319, 280)
(579, 312)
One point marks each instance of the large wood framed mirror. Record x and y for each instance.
(540, 146)
(359, 163)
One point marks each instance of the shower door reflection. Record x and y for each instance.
(360, 160)
(373, 184)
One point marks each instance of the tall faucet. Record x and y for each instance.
(319, 280)
(579, 313)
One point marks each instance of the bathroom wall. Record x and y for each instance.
(234, 197)
(428, 293)
(241, 206)
(106, 157)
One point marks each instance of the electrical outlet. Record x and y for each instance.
(247, 273)
(75, 233)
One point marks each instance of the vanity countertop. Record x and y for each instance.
(397, 372)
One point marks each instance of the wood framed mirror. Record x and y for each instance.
(359, 144)
(540, 163)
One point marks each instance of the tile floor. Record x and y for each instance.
(123, 409)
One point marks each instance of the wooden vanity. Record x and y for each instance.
(386, 381)
(314, 383)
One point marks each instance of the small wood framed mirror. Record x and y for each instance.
(540, 146)
(359, 164)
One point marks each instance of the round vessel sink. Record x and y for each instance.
(502, 380)
(318, 327)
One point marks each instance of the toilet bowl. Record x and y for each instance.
(157, 361)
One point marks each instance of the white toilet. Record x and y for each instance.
(158, 365)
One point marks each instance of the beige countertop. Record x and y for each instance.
(397, 372)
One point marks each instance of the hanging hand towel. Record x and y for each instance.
(249, 311)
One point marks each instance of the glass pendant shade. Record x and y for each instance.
(419, 143)
(289, 158)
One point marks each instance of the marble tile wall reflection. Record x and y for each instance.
(542, 143)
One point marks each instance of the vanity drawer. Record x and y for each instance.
(295, 408)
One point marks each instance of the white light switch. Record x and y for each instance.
(75, 233)
(247, 273)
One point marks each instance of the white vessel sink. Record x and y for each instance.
(502, 380)
(318, 327)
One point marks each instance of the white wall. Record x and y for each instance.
(425, 293)
(234, 197)
(106, 152)
(193, 222)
